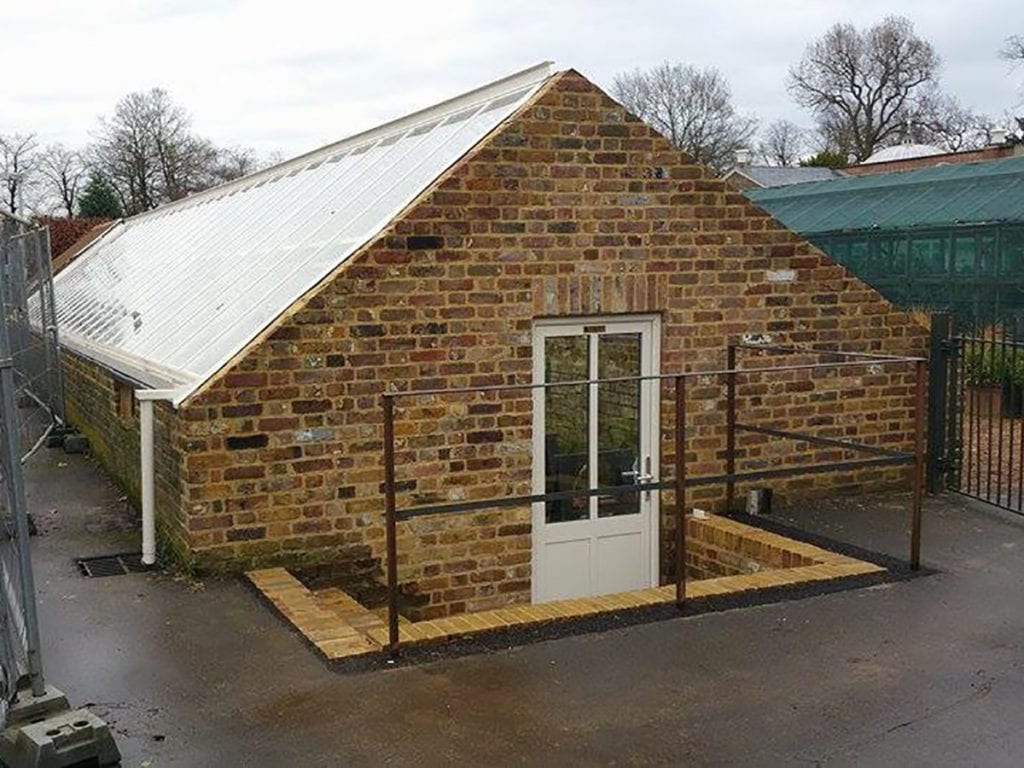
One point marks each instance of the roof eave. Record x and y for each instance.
(131, 367)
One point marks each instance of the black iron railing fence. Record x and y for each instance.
(875, 455)
(977, 419)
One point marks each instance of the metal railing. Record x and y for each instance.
(877, 456)
(979, 425)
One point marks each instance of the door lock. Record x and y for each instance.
(640, 478)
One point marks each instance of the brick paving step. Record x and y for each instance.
(352, 612)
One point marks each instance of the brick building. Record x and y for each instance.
(529, 229)
(897, 159)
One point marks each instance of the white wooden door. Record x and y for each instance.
(595, 436)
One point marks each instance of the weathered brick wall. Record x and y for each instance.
(573, 208)
(91, 402)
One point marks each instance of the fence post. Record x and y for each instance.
(938, 400)
(915, 513)
(389, 522)
(48, 322)
(680, 511)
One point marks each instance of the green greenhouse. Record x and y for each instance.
(949, 237)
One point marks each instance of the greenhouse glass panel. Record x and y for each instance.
(948, 237)
(964, 255)
(892, 256)
(928, 255)
(1012, 250)
(168, 297)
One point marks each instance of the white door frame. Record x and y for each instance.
(650, 366)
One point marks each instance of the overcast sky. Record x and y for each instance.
(292, 75)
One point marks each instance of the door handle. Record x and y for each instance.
(647, 477)
(636, 477)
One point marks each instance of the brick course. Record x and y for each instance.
(572, 207)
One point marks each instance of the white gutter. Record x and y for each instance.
(146, 397)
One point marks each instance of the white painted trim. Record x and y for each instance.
(146, 398)
(649, 326)
(148, 482)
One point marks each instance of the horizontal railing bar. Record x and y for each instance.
(812, 350)
(814, 469)
(819, 440)
(987, 500)
(534, 498)
(991, 342)
(653, 377)
(664, 485)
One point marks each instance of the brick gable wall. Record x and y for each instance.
(573, 207)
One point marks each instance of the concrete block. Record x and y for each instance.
(76, 444)
(56, 437)
(28, 707)
(70, 738)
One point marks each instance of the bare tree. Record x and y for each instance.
(1013, 52)
(691, 107)
(833, 137)
(783, 143)
(17, 168)
(61, 173)
(943, 121)
(148, 152)
(865, 85)
(235, 162)
(1013, 49)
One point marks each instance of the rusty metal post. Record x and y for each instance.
(915, 515)
(730, 427)
(389, 522)
(680, 511)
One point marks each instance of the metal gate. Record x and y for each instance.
(976, 423)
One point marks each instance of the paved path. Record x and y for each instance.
(927, 672)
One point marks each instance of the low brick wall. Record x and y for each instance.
(715, 548)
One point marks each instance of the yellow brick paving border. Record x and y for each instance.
(339, 627)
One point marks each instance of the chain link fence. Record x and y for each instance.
(31, 320)
(31, 405)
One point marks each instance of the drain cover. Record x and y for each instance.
(111, 565)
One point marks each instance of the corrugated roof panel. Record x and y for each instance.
(971, 193)
(169, 296)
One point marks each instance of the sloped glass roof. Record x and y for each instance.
(168, 297)
(945, 195)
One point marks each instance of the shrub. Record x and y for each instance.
(988, 364)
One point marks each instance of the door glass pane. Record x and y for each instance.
(566, 426)
(618, 423)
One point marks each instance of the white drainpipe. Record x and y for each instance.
(146, 397)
